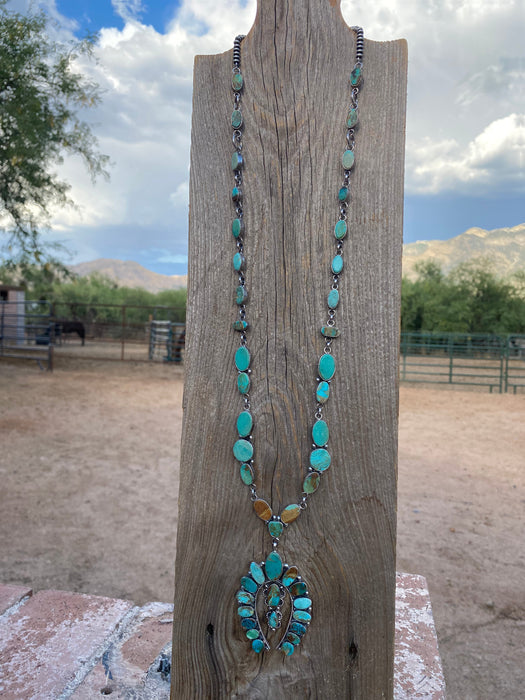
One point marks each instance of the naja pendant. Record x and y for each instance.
(273, 603)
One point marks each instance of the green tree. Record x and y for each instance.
(41, 95)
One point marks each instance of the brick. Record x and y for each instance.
(49, 640)
(11, 595)
(417, 664)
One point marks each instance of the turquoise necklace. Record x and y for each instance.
(272, 591)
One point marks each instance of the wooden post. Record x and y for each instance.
(296, 62)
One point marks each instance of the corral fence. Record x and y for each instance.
(495, 362)
(27, 331)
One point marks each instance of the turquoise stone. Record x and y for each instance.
(326, 366)
(333, 299)
(236, 118)
(293, 638)
(237, 81)
(320, 460)
(320, 433)
(241, 294)
(298, 588)
(249, 584)
(249, 623)
(252, 634)
(236, 194)
(323, 392)
(273, 566)
(238, 262)
(337, 264)
(330, 331)
(302, 603)
(246, 474)
(258, 645)
(348, 159)
(244, 423)
(242, 358)
(290, 576)
(240, 325)
(273, 620)
(288, 648)
(274, 595)
(351, 119)
(311, 483)
(257, 572)
(340, 229)
(301, 616)
(243, 450)
(343, 194)
(297, 628)
(243, 382)
(237, 161)
(275, 528)
(245, 598)
(237, 227)
(356, 75)
(245, 611)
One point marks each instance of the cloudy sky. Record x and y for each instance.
(465, 157)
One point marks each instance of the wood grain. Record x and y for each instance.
(296, 61)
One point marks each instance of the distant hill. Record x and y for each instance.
(127, 273)
(505, 247)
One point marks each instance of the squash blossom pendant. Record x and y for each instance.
(273, 601)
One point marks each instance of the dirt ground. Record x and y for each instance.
(88, 461)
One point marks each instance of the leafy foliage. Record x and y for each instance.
(40, 97)
(470, 299)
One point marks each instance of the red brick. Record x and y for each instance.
(47, 641)
(11, 595)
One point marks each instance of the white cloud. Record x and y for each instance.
(128, 10)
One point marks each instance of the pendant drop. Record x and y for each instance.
(273, 598)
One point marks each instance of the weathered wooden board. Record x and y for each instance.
(296, 62)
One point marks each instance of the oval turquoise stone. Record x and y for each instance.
(298, 588)
(330, 331)
(275, 528)
(243, 382)
(237, 227)
(323, 392)
(237, 161)
(343, 194)
(293, 638)
(246, 474)
(356, 76)
(257, 572)
(311, 483)
(245, 598)
(240, 325)
(301, 616)
(290, 575)
(249, 623)
(236, 193)
(274, 595)
(242, 358)
(288, 648)
(236, 118)
(320, 460)
(351, 119)
(273, 620)
(249, 584)
(340, 229)
(252, 634)
(297, 628)
(243, 450)
(333, 298)
(257, 645)
(245, 611)
(241, 294)
(244, 423)
(320, 433)
(337, 264)
(326, 366)
(348, 160)
(273, 566)
(238, 262)
(237, 81)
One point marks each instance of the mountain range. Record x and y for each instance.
(504, 247)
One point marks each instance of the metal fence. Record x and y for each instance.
(27, 331)
(495, 362)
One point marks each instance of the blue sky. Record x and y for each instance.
(465, 149)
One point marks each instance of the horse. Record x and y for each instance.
(63, 326)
